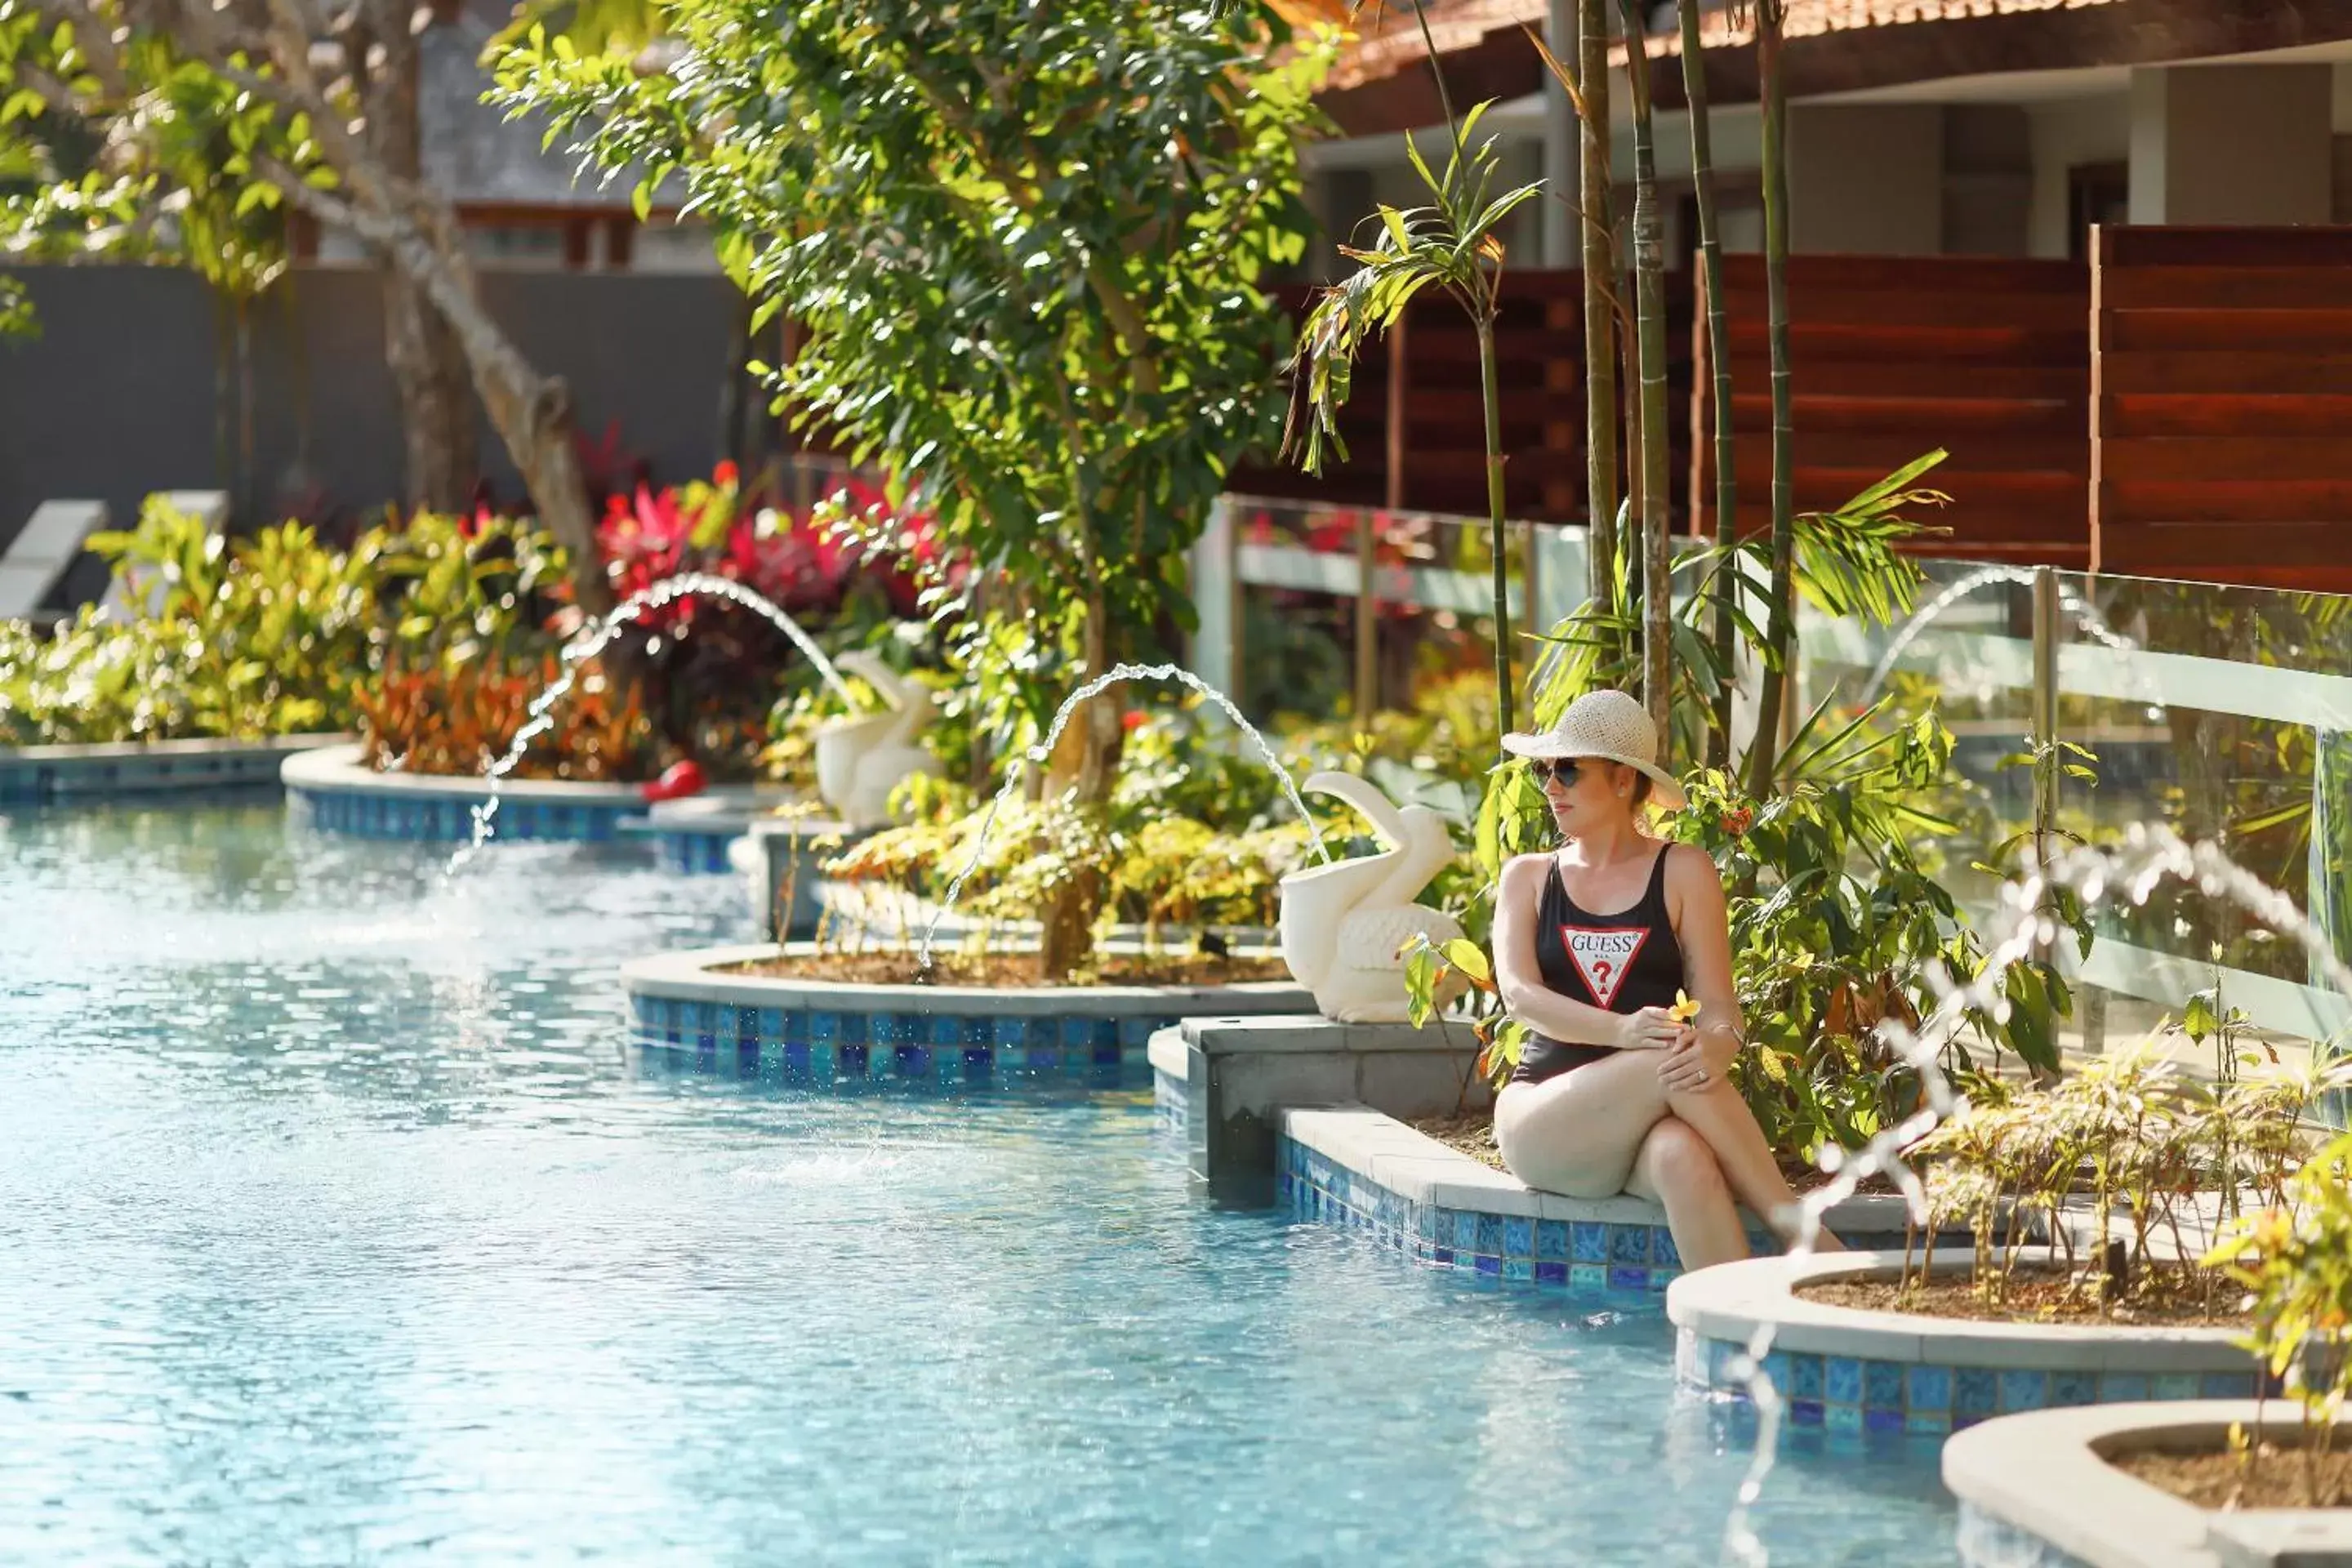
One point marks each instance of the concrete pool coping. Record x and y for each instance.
(688, 976)
(338, 770)
(1422, 1169)
(342, 796)
(1731, 1302)
(2037, 1488)
(98, 771)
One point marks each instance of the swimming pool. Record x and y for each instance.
(340, 1229)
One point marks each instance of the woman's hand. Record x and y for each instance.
(1650, 1029)
(1699, 1061)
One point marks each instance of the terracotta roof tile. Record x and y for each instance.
(1810, 18)
(1389, 39)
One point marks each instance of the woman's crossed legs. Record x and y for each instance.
(1611, 1127)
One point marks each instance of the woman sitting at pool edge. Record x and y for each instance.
(1612, 1093)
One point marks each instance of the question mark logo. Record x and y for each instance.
(1601, 968)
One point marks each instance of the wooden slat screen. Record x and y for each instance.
(2222, 419)
(1539, 353)
(1894, 356)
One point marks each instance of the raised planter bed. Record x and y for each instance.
(336, 794)
(1229, 1079)
(825, 1032)
(35, 776)
(779, 859)
(1856, 1371)
(2036, 1492)
(1364, 1171)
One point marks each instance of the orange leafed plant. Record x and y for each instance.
(460, 720)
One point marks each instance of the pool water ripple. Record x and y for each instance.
(340, 1228)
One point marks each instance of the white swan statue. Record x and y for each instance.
(1342, 924)
(860, 760)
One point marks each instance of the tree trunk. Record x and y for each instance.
(1763, 754)
(1650, 296)
(427, 364)
(1600, 272)
(1726, 478)
(1069, 916)
(531, 413)
(436, 398)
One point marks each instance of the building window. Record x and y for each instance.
(2096, 193)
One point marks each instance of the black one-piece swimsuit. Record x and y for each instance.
(1622, 963)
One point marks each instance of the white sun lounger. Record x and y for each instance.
(42, 551)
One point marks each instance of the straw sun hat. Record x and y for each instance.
(1611, 727)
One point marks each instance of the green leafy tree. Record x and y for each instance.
(1025, 245)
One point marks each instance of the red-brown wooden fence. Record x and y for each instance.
(1895, 357)
(1426, 450)
(2222, 434)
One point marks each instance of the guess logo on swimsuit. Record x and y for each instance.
(1602, 957)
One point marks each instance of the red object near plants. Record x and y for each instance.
(678, 780)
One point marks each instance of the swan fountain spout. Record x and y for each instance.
(860, 760)
(1343, 923)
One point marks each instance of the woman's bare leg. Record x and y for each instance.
(1573, 1134)
(1677, 1169)
(1719, 1115)
(1580, 1133)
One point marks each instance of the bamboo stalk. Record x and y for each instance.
(1492, 394)
(1763, 752)
(1726, 478)
(1599, 269)
(1650, 332)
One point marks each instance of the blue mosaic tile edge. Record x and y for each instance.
(1855, 1394)
(1170, 1104)
(450, 818)
(825, 1045)
(1986, 1541)
(39, 783)
(696, 854)
(1558, 1255)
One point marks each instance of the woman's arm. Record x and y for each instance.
(1702, 930)
(1520, 979)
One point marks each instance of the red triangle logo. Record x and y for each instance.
(1602, 955)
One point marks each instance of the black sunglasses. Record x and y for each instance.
(1548, 771)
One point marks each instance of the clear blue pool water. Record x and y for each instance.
(336, 1227)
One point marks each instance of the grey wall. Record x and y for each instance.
(1866, 179)
(2231, 144)
(121, 395)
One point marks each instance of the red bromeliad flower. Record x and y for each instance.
(649, 535)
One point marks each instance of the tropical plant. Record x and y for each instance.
(2295, 1258)
(715, 672)
(1153, 866)
(266, 636)
(454, 590)
(1025, 246)
(1451, 243)
(2143, 1144)
(459, 719)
